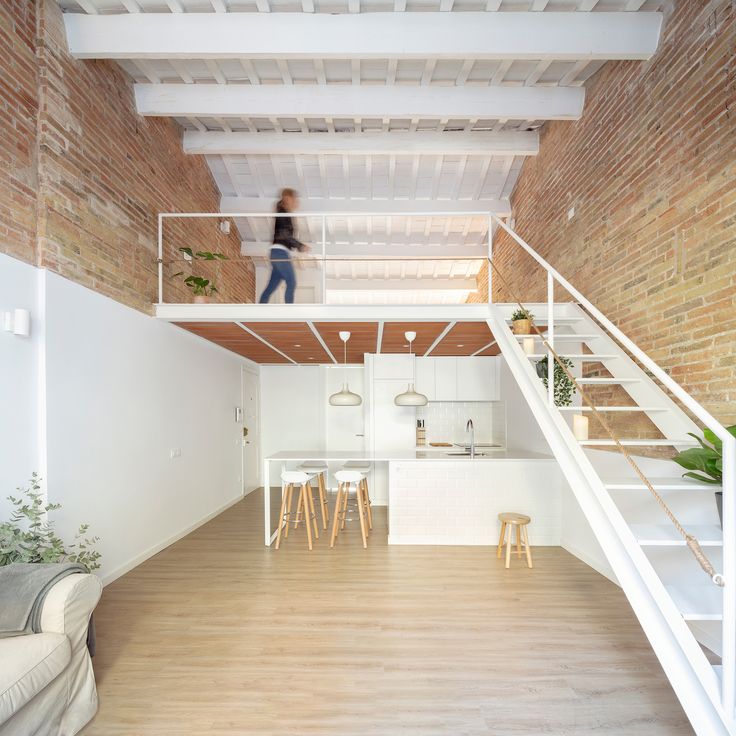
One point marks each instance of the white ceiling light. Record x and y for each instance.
(345, 397)
(410, 397)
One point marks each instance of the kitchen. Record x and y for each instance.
(445, 468)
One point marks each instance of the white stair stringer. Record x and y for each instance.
(692, 677)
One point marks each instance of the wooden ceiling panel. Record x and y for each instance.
(363, 336)
(229, 335)
(465, 338)
(393, 340)
(293, 338)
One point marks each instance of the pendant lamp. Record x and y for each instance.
(345, 397)
(410, 397)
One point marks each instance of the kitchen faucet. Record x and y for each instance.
(469, 426)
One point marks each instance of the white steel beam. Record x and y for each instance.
(508, 143)
(261, 205)
(375, 252)
(350, 101)
(398, 284)
(471, 35)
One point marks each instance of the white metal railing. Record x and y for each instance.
(324, 216)
(728, 577)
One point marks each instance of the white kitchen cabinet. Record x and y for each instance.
(445, 379)
(388, 366)
(477, 379)
(425, 377)
(458, 379)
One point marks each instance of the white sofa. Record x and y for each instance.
(47, 687)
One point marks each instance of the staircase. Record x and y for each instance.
(677, 604)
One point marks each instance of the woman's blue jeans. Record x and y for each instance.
(282, 269)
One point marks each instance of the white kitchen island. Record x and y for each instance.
(435, 498)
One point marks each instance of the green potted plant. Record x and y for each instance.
(521, 321)
(705, 463)
(202, 288)
(30, 537)
(564, 387)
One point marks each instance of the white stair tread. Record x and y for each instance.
(612, 408)
(640, 443)
(660, 484)
(698, 602)
(606, 381)
(665, 535)
(588, 356)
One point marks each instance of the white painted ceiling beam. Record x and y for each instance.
(254, 205)
(507, 143)
(431, 35)
(337, 101)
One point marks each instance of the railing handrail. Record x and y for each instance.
(326, 213)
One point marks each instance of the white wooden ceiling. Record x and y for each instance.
(369, 121)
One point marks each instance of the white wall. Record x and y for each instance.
(522, 429)
(97, 399)
(19, 425)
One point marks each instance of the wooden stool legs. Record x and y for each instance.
(510, 525)
(341, 511)
(305, 505)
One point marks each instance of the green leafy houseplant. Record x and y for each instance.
(200, 286)
(520, 314)
(30, 537)
(564, 387)
(705, 463)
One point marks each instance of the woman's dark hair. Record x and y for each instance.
(286, 192)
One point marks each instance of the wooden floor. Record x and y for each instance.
(220, 635)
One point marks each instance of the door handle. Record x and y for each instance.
(360, 435)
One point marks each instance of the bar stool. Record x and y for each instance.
(299, 478)
(364, 467)
(318, 469)
(520, 523)
(346, 479)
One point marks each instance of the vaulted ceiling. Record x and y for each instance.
(365, 106)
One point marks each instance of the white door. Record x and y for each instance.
(251, 432)
(345, 424)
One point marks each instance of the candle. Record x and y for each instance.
(529, 345)
(580, 427)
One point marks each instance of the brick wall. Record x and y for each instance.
(651, 172)
(100, 174)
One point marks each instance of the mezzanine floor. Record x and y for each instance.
(220, 635)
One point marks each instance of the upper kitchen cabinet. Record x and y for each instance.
(458, 379)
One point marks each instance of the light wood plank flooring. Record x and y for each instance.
(220, 635)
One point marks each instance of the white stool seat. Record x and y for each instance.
(349, 476)
(296, 476)
(313, 466)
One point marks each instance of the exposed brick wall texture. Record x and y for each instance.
(102, 175)
(651, 172)
(18, 120)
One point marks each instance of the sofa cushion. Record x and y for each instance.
(29, 663)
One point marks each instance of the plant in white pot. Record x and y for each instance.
(202, 288)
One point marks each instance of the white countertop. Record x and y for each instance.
(431, 453)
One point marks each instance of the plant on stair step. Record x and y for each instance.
(705, 463)
(564, 387)
(29, 536)
(202, 288)
(522, 321)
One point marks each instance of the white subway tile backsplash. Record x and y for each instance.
(445, 421)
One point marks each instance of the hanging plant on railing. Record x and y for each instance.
(564, 387)
(202, 288)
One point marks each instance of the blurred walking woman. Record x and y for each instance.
(284, 241)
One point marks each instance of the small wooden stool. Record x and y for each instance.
(319, 470)
(364, 467)
(346, 479)
(291, 478)
(520, 523)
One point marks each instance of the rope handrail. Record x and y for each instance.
(691, 542)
